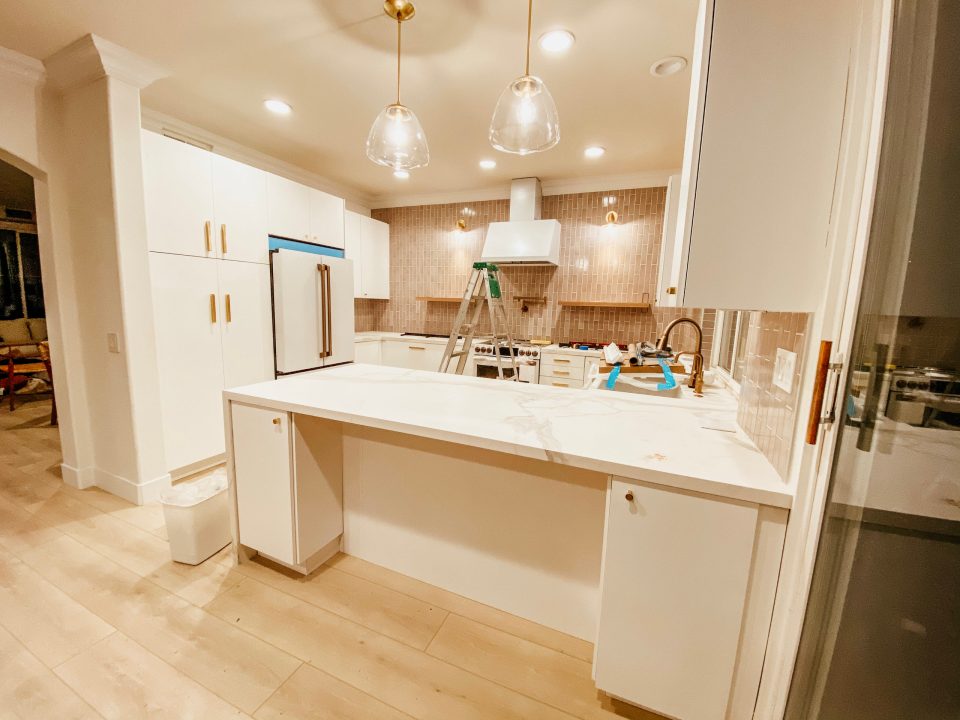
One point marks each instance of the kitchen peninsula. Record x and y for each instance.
(652, 526)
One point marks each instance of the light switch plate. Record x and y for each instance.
(113, 343)
(783, 368)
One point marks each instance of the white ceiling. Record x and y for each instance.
(334, 62)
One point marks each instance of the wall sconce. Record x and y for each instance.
(462, 225)
(612, 217)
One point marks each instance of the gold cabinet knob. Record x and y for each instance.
(276, 421)
(629, 496)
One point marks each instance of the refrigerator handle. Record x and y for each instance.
(329, 310)
(322, 309)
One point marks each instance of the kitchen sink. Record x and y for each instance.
(637, 386)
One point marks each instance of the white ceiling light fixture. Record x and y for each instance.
(488, 164)
(401, 174)
(594, 151)
(396, 138)
(556, 41)
(525, 120)
(278, 107)
(668, 66)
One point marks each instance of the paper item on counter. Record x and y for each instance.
(612, 354)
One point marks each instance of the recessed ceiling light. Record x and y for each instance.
(594, 151)
(277, 106)
(488, 164)
(556, 41)
(668, 66)
(401, 174)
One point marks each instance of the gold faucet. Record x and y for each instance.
(696, 377)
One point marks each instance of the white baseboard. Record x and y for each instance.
(79, 478)
(139, 494)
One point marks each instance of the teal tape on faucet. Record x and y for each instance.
(670, 380)
(612, 378)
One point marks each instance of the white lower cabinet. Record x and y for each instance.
(213, 330)
(411, 354)
(688, 582)
(367, 351)
(288, 472)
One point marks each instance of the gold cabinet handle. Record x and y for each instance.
(206, 236)
(226, 308)
(561, 384)
(629, 496)
(223, 239)
(415, 347)
(276, 421)
(562, 372)
(561, 360)
(213, 308)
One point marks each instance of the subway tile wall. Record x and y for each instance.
(767, 413)
(430, 257)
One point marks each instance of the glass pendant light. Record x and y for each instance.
(525, 120)
(396, 139)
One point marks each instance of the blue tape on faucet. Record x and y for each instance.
(612, 378)
(671, 381)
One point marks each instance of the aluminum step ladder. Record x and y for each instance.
(483, 289)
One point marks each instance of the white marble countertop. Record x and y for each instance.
(657, 440)
(376, 336)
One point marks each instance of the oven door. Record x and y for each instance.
(486, 367)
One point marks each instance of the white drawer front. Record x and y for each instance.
(560, 381)
(562, 367)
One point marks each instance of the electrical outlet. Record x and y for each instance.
(113, 343)
(783, 369)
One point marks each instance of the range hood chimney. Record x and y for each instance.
(525, 239)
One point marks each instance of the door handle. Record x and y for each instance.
(206, 236)
(819, 390)
(223, 238)
(329, 313)
(226, 308)
(213, 308)
(322, 309)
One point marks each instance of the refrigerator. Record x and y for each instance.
(313, 321)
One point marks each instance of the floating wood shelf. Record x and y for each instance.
(529, 299)
(622, 305)
(426, 298)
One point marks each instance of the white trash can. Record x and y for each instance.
(197, 515)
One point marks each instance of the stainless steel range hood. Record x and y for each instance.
(525, 239)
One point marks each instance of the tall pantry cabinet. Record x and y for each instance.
(207, 235)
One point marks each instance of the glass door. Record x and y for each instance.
(881, 636)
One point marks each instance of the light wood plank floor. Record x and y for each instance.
(97, 622)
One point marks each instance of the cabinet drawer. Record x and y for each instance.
(560, 381)
(562, 367)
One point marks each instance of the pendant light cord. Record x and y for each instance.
(529, 29)
(399, 23)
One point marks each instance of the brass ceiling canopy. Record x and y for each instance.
(399, 10)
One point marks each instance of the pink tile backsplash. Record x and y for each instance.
(619, 263)
(765, 412)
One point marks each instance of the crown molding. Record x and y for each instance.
(23, 66)
(166, 125)
(629, 181)
(91, 58)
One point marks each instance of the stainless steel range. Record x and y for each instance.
(528, 361)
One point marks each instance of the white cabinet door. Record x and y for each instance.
(758, 185)
(375, 259)
(263, 474)
(186, 309)
(326, 219)
(675, 576)
(398, 353)
(352, 244)
(288, 208)
(671, 249)
(367, 352)
(178, 195)
(246, 327)
(240, 209)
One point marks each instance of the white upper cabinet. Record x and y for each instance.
(326, 219)
(240, 210)
(178, 193)
(288, 208)
(368, 245)
(670, 251)
(352, 228)
(761, 153)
